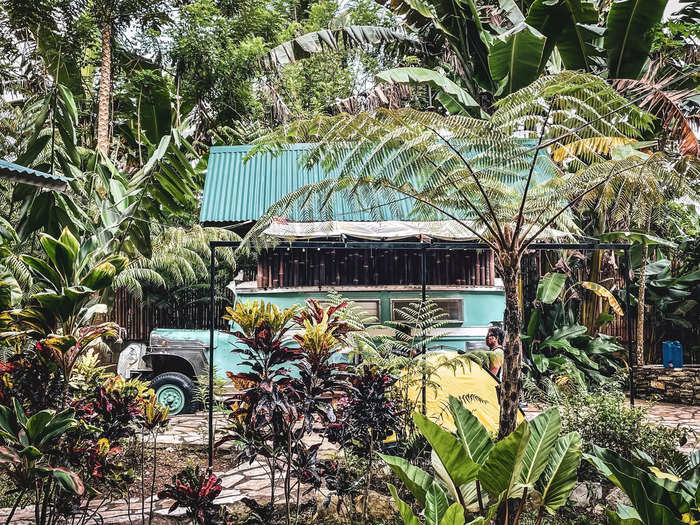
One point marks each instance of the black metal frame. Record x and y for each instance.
(403, 245)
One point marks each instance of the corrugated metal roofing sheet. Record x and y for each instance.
(237, 191)
(17, 173)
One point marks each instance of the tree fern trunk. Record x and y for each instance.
(641, 306)
(512, 348)
(105, 89)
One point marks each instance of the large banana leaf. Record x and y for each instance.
(544, 431)
(316, 42)
(550, 286)
(637, 238)
(455, 99)
(461, 26)
(560, 474)
(652, 498)
(566, 24)
(628, 36)
(515, 57)
(460, 468)
(511, 11)
(501, 470)
(416, 480)
(602, 291)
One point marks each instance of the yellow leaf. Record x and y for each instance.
(591, 145)
(664, 475)
(602, 291)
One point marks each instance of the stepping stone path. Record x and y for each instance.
(250, 480)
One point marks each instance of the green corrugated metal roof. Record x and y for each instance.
(237, 191)
(17, 173)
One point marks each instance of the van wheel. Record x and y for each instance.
(176, 391)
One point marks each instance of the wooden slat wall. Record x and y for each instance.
(284, 268)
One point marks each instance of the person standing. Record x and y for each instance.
(494, 340)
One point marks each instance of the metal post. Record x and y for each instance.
(630, 351)
(212, 265)
(423, 280)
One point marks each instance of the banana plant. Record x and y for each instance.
(557, 344)
(24, 457)
(70, 278)
(497, 57)
(657, 497)
(475, 476)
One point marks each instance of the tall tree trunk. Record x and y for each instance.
(105, 89)
(641, 306)
(512, 348)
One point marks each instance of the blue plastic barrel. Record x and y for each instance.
(677, 354)
(667, 353)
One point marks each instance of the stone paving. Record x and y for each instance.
(252, 481)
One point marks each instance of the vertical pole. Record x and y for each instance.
(630, 351)
(423, 279)
(212, 264)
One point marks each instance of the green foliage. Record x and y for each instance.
(603, 418)
(176, 274)
(559, 347)
(70, 277)
(28, 440)
(656, 496)
(515, 58)
(675, 300)
(532, 460)
(627, 55)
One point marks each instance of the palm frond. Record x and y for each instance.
(665, 103)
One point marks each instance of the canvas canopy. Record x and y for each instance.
(448, 230)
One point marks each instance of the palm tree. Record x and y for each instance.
(479, 173)
(111, 16)
(180, 263)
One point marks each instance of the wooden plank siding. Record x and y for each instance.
(285, 268)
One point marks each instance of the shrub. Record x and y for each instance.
(657, 497)
(604, 419)
(196, 492)
(477, 478)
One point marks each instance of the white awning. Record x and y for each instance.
(449, 230)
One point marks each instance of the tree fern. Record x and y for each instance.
(493, 177)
